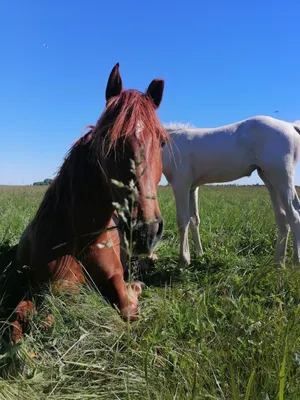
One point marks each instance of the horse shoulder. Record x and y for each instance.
(176, 158)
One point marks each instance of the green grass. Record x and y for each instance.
(227, 327)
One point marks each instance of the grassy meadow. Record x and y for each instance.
(226, 327)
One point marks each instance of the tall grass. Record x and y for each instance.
(227, 327)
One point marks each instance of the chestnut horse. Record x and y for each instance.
(74, 224)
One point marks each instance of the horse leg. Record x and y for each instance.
(293, 217)
(195, 221)
(281, 220)
(63, 273)
(103, 264)
(66, 274)
(283, 181)
(21, 319)
(183, 220)
(296, 236)
(124, 296)
(296, 202)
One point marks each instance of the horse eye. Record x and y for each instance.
(162, 144)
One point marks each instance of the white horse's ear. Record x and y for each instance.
(114, 85)
(155, 91)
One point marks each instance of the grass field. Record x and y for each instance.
(227, 327)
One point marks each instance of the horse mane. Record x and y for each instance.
(175, 126)
(120, 119)
(297, 122)
(61, 188)
(130, 108)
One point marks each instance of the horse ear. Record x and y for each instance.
(155, 91)
(114, 85)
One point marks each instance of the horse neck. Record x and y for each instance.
(74, 206)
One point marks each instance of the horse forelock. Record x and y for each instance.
(129, 115)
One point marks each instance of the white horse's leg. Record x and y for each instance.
(182, 213)
(195, 220)
(296, 239)
(296, 202)
(293, 218)
(281, 220)
(284, 183)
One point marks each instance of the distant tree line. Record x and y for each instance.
(45, 182)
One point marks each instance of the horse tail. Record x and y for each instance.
(296, 126)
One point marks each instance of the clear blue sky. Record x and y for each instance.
(222, 61)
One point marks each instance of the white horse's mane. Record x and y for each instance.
(173, 126)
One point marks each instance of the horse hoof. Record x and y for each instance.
(129, 315)
(140, 284)
(183, 262)
(154, 257)
(48, 322)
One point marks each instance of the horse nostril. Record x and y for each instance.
(160, 227)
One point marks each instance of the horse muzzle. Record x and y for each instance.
(147, 236)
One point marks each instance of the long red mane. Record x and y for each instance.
(120, 119)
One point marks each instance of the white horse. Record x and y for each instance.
(197, 156)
